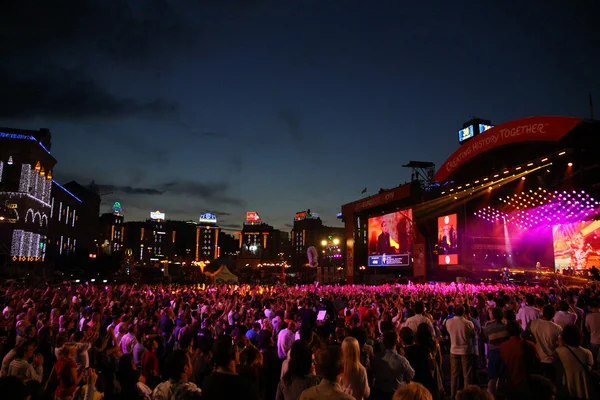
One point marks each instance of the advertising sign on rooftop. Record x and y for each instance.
(208, 218)
(157, 215)
(252, 218)
(302, 215)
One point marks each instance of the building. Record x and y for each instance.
(309, 231)
(112, 232)
(64, 246)
(229, 246)
(159, 241)
(206, 242)
(150, 242)
(25, 194)
(88, 222)
(260, 243)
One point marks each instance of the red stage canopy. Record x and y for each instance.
(532, 129)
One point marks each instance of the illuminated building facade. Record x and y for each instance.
(88, 222)
(25, 192)
(158, 240)
(151, 241)
(309, 231)
(261, 243)
(64, 244)
(207, 238)
(112, 232)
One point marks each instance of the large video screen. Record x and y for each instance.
(448, 240)
(577, 245)
(391, 239)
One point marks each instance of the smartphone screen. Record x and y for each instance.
(321, 316)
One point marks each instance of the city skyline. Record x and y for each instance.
(278, 107)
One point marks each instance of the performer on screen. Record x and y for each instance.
(578, 252)
(385, 243)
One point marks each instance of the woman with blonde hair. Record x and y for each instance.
(65, 372)
(412, 391)
(354, 378)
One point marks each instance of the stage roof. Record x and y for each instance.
(512, 143)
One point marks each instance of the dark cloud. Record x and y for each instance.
(220, 213)
(50, 50)
(214, 192)
(230, 227)
(288, 225)
(68, 95)
(86, 30)
(129, 190)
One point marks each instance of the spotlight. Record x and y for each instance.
(523, 178)
(570, 164)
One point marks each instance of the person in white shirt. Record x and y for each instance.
(8, 358)
(82, 357)
(268, 312)
(129, 340)
(564, 317)
(285, 340)
(528, 313)
(462, 332)
(418, 319)
(546, 335)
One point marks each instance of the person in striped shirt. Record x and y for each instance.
(21, 368)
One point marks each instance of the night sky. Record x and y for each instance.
(188, 106)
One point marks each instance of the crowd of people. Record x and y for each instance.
(420, 342)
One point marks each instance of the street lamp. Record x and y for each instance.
(336, 241)
(323, 243)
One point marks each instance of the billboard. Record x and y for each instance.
(302, 215)
(465, 134)
(390, 239)
(252, 218)
(576, 245)
(448, 240)
(207, 218)
(157, 215)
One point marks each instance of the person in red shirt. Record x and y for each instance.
(150, 362)
(65, 371)
(519, 356)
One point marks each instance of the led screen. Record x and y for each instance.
(576, 245)
(483, 127)
(448, 240)
(390, 239)
(466, 133)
